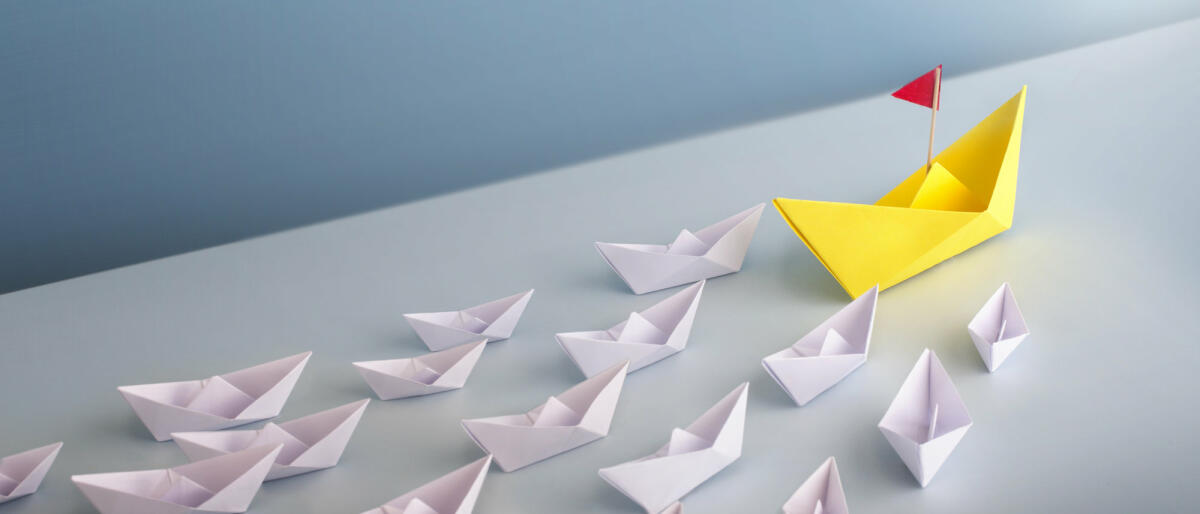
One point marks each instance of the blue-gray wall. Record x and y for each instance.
(138, 129)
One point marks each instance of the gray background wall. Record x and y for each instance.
(138, 129)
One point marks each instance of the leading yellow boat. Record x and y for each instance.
(965, 197)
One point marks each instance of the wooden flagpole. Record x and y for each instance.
(937, 102)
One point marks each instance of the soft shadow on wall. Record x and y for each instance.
(138, 129)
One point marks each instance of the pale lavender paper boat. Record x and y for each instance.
(827, 354)
(646, 337)
(578, 416)
(453, 493)
(715, 250)
(691, 456)
(998, 328)
(243, 396)
(425, 374)
(310, 443)
(22, 473)
(494, 320)
(225, 484)
(821, 493)
(927, 419)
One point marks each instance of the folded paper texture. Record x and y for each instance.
(998, 328)
(435, 372)
(691, 456)
(578, 416)
(965, 198)
(675, 508)
(828, 353)
(227, 483)
(223, 401)
(313, 442)
(821, 493)
(453, 493)
(21, 474)
(927, 419)
(646, 337)
(716, 250)
(494, 320)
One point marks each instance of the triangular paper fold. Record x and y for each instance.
(226, 483)
(821, 493)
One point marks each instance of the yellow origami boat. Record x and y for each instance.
(966, 197)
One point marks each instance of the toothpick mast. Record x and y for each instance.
(937, 102)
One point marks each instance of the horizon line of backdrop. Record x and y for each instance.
(138, 129)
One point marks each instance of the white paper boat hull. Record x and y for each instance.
(114, 493)
(655, 484)
(805, 378)
(648, 271)
(37, 461)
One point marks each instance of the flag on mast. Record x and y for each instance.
(924, 90)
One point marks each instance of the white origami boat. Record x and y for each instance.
(578, 416)
(927, 418)
(494, 320)
(690, 457)
(454, 493)
(221, 484)
(427, 374)
(645, 338)
(244, 396)
(821, 493)
(310, 443)
(998, 328)
(22, 473)
(828, 354)
(710, 252)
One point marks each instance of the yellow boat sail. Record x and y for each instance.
(966, 198)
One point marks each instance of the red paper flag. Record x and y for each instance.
(920, 91)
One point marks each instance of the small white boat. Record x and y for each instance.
(494, 320)
(453, 493)
(715, 250)
(827, 354)
(821, 493)
(998, 328)
(244, 396)
(221, 484)
(310, 443)
(691, 456)
(427, 374)
(578, 416)
(22, 473)
(927, 419)
(644, 338)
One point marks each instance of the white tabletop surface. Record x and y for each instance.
(1096, 412)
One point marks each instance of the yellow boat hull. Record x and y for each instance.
(966, 198)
